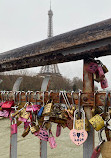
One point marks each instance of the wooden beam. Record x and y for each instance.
(90, 41)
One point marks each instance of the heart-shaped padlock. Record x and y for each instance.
(78, 137)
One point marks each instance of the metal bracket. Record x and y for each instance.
(13, 138)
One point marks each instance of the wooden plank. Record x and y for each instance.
(88, 87)
(90, 41)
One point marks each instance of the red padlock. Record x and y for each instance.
(58, 130)
(96, 153)
(14, 127)
(7, 104)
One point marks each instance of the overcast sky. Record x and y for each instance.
(25, 21)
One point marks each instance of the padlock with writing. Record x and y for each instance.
(78, 137)
(34, 128)
(97, 122)
(47, 109)
(24, 115)
(92, 67)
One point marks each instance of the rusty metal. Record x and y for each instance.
(90, 41)
(87, 99)
(88, 87)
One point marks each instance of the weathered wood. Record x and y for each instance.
(90, 41)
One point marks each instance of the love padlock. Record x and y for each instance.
(97, 122)
(92, 67)
(104, 83)
(43, 134)
(58, 130)
(52, 141)
(14, 126)
(4, 113)
(78, 137)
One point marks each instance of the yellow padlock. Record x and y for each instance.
(97, 122)
(47, 109)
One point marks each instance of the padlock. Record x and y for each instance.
(7, 104)
(39, 114)
(47, 109)
(92, 67)
(96, 77)
(24, 114)
(104, 83)
(97, 122)
(78, 137)
(43, 134)
(4, 113)
(48, 125)
(26, 131)
(34, 128)
(100, 72)
(26, 124)
(13, 127)
(58, 130)
(36, 107)
(29, 108)
(51, 140)
(104, 69)
(105, 147)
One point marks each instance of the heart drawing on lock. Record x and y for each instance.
(78, 137)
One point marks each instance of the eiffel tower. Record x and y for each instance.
(50, 69)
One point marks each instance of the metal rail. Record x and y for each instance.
(90, 41)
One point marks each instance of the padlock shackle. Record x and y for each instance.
(75, 112)
(79, 103)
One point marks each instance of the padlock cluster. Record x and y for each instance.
(38, 118)
(97, 68)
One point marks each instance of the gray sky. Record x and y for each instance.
(25, 21)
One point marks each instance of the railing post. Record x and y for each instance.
(43, 144)
(13, 137)
(88, 87)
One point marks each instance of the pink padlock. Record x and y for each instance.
(36, 107)
(13, 127)
(22, 119)
(43, 134)
(101, 72)
(52, 141)
(58, 130)
(104, 83)
(36, 133)
(92, 67)
(26, 124)
(4, 113)
(29, 108)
